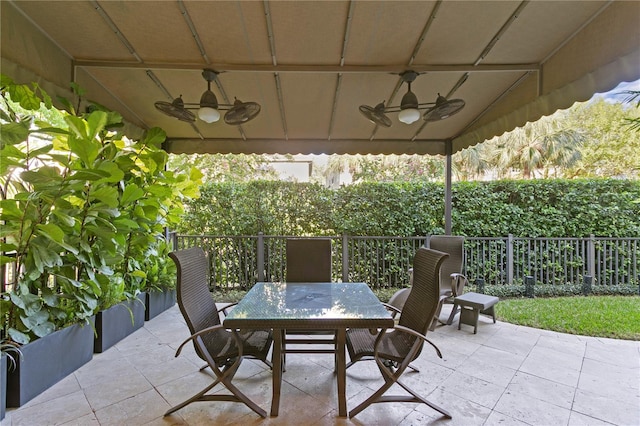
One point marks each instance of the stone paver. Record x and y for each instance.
(503, 375)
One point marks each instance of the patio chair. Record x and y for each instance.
(452, 281)
(394, 349)
(223, 350)
(308, 261)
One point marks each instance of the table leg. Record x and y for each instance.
(342, 372)
(277, 371)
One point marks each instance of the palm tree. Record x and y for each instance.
(634, 123)
(471, 163)
(546, 145)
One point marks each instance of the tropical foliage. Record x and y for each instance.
(611, 147)
(591, 139)
(387, 168)
(83, 211)
(226, 168)
(633, 96)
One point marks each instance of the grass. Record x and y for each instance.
(616, 317)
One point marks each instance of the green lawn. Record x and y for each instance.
(599, 316)
(617, 317)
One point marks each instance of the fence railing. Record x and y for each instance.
(384, 261)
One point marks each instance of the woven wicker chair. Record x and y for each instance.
(223, 350)
(308, 261)
(452, 281)
(394, 349)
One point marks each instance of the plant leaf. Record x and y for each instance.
(131, 193)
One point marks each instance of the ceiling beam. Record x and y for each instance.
(363, 69)
(305, 146)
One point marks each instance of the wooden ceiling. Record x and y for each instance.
(311, 64)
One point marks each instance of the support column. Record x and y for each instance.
(447, 189)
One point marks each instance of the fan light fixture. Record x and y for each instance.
(409, 108)
(209, 108)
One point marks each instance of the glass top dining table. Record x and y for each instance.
(313, 306)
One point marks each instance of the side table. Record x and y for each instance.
(472, 305)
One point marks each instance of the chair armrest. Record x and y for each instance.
(392, 308)
(418, 335)
(458, 281)
(209, 330)
(227, 306)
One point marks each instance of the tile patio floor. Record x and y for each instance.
(505, 374)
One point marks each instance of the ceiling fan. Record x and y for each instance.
(409, 108)
(209, 108)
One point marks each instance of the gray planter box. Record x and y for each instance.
(47, 360)
(117, 322)
(158, 302)
(3, 385)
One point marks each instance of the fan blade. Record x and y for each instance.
(241, 112)
(444, 109)
(176, 109)
(375, 115)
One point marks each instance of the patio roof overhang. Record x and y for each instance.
(311, 64)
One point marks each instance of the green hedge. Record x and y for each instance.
(531, 208)
(546, 290)
(547, 208)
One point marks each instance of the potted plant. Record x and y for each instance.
(160, 285)
(47, 309)
(80, 206)
(120, 314)
(9, 354)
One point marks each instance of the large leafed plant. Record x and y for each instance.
(83, 211)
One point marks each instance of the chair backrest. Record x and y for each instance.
(422, 302)
(454, 246)
(308, 260)
(192, 291)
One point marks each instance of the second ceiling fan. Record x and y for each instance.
(409, 108)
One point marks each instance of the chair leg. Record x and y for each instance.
(372, 399)
(436, 316)
(243, 398)
(424, 401)
(224, 377)
(196, 397)
(390, 378)
(454, 311)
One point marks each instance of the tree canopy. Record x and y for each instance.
(591, 139)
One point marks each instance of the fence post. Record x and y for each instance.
(529, 290)
(260, 259)
(480, 285)
(174, 240)
(586, 284)
(591, 255)
(345, 258)
(510, 259)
